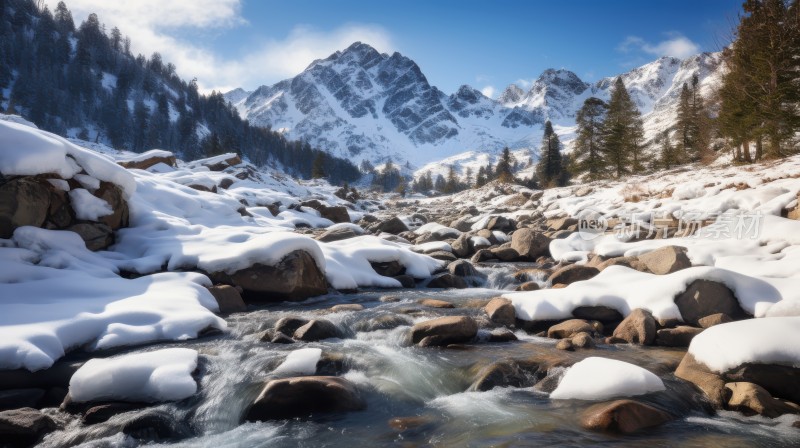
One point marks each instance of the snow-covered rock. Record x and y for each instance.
(161, 375)
(597, 379)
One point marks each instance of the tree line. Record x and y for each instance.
(85, 82)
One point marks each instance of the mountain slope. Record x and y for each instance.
(361, 104)
(364, 105)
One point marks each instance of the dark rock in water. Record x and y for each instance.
(505, 373)
(343, 307)
(565, 344)
(781, 381)
(21, 398)
(583, 340)
(623, 416)
(572, 273)
(394, 226)
(569, 328)
(638, 328)
(289, 324)
(704, 298)
(447, 280)
(501, 311)
(295, 277)
(383, 322)
(444, 331)
(228, 299)
(339, 234)
(502, 335)
(56, 376)
(750, 399)
(402, 424)
(601, 313)
(389, 269)
(714, 319)
(154, 426)
(676, 337)
(303, 397)
(280, 338)
(24, 427)
(103, 412)
(463, 268)
(406, 281)
(528, 286)
(317, 330)
(530, 244)
(434, 303)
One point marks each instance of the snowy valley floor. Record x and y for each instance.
(145, 299)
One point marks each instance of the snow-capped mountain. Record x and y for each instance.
(361, 104)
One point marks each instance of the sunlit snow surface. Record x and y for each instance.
(597, 378)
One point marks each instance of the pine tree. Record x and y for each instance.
(480, 180)
(669, 158)
(468, 178)
(622, 132)
(318, 168)
(589, 145)
(684, 126)
(440, 183)
(763, 74)
(503, 169)
(451, 184)
(550, 170)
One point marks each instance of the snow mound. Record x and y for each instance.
(161, 375)
(57, 295)
(597, 379)
(88, 206)
(29, 151)
(772, 340)
(300, 362)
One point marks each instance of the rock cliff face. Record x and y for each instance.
(364, 105)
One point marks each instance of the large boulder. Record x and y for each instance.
(569, 328)
(638, 328)
(24, 427)
(504, 373)
(750, 398)
(394, 226)
(530, 244)
(96, 235)
(316, 330)
(704, 298)
(501, 311)
(679, 336)
(597, 312)
(447, 280)
(572, 273)
(623, 416)
(228, 299)
(113, 195)
(711, 383)
(23, 202)
(305, 396)
(666, 260)
(461, 246)
(562, 224)
(336, 214)
(295, 277)
(337, 234)
(444, 331)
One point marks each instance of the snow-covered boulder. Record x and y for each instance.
(761, 351)
(161, 375)
(148, 159)
(597, 378)
(49, 182)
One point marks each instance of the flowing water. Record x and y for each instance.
(400, 380)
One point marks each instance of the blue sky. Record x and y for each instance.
(231, 43)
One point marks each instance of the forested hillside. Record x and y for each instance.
(83, 81)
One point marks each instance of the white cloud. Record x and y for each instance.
(524, 84)
(489, 91)
(155, 25)
(677, 46)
